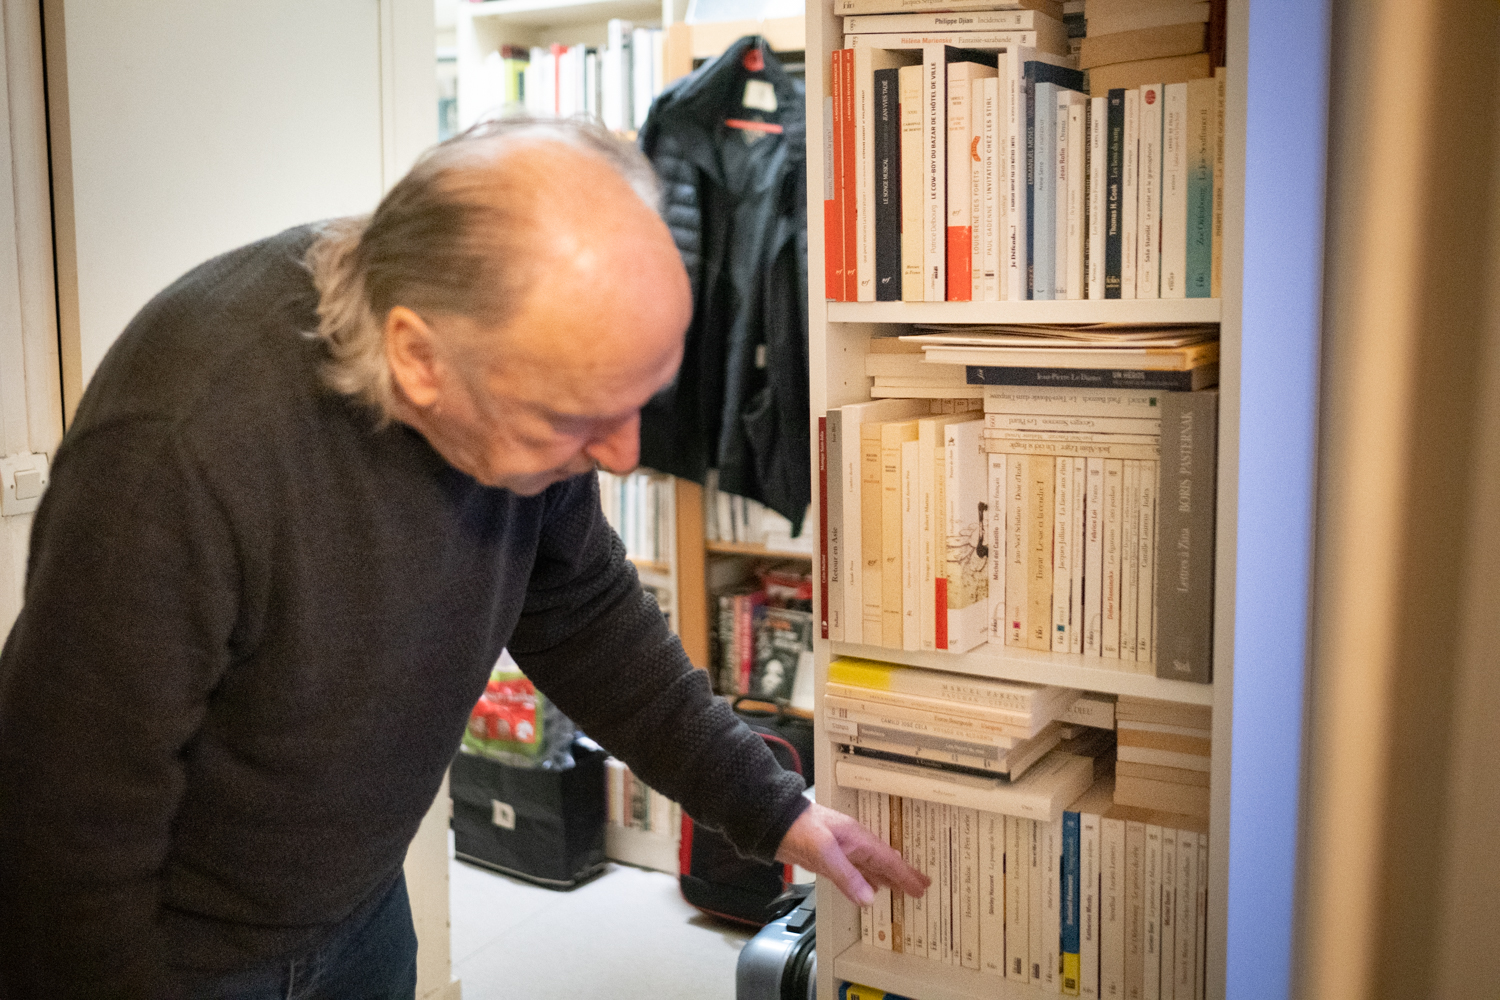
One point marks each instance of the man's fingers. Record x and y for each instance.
(838, 867)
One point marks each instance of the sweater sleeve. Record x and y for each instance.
(595, 644)
(104, 679)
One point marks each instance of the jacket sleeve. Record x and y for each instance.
(599, 648)
(130, 599)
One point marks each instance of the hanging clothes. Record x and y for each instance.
(729, 143)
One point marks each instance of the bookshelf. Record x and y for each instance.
(839, 335)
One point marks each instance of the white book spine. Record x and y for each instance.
(1016, 261)
(997, 564)
(833, 456)
(1200, 970)
(934, 173)
(1135, 911)
(1169, 914)
(1078, 144)
(917, 858)
(947, 869)
(979, 110)
(1148, 207)
(1130, 192)
(1151, 921)
(1145, 649)
(1015, 549)
(1112, 911)
(1036, 875)
(1080, 554)
(1093, 548)
(1088, 905)
(864, 176)
(927, 445)
(969, 888)
(864, 807)
(992, 893)
(1098, 169)
(1130, 527)
(994, 179)
(908, 901)
(911, 536)
(849, 481)
(1174, 192)
(958, 221)
(1017, 901)
(938, 888)
(1052, 907)
(1187, 912)
(882, 817)
(1110, 578)
(1062, 554)
(1061, 135)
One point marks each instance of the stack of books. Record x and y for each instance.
(1037, 526)
(762, 637)
(1163, 756)
(731, 518)
(1131, 43)
(615, 83)
(975, 167)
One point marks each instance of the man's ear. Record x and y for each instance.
(411, 353)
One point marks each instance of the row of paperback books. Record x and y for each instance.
(1107, 902)
(974, 167)
(639, 508)
(1061, 520)
(762, 637)
(615, 83)
(631, 803)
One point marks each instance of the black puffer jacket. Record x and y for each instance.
(735, 199)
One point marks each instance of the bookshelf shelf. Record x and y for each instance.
(558, 13)
(1066, 669)
(652, 567)
(924, 978)
(1067, 311)
(754, 549)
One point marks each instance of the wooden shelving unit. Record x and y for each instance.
(839, 336)
(754, 549)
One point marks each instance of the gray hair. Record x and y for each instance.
(442, 241)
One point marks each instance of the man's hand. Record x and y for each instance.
(831, 844)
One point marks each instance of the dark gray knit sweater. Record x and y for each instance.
(254, 627)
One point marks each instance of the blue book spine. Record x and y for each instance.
(1114, 183)
(1044, 197)
(1069, 898)
(887, 149)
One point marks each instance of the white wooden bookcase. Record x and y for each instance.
(839, 334)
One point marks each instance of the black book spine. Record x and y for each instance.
(1088, 378)
(1114, 181)
(1186, 501)
(887, 143)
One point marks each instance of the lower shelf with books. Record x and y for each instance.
(1064, 669)
(922, 979)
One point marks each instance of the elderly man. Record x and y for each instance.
(313, 490)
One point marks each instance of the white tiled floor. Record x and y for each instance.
(628, 934)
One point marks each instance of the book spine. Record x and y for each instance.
(1054, 447)
(999, 519)
(1114, 186)
(1200, 970)
(1135, 896)
(1145, 651)
(1062, 555)
(870, 529)
(1029, 97)
(1090, 378)
(898, 898)
(1093, 636)
(1017, 900)
(1016, 534)
(1201, 103)
(851, 182)
(959, 222)
(1169, 914)
(945, 882)
(1130, 194)
(1071, 849)
(968, 922)
(916, 856)
(864, 803)
(833, 523)
(1187, 912)
(1151, 917)
(882, 817)
(1051, 906)
(941, 638)
(988, 20)
(1062, 161)
(992, 894)
(912, 146)
(850, 473)
(1185, 517)
(1035, 874)
(1174, 192)
(1076, 197)
(823, 602)
(1088, 909)
(992, 201)
(1098, 176)
(1014, 150)
(887, 146)
(1080, 555)
(1112, 910)
(964, 530)
(934, 872)
(927, 432)
(935, 173)
(1148, 219)
(911, 623)
(974, 146)
(1043, 181)
(833, 180)
(892, 436)
(864, 176)
(1113, 500)
(1216, 271)
(1040, 485)
(1130, 525)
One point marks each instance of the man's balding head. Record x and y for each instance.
(516, 298)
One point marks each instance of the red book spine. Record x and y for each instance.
(851, 271)
(833, 210)
(960, 263)
(823, 525)
(940, 622)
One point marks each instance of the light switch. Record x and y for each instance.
(28, 485)
(23, 480)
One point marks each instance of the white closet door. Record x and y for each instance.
(184, 128)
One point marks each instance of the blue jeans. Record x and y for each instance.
(371, 957)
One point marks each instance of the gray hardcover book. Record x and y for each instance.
(1185, 553)
(833, 492)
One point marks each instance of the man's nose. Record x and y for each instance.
(619, 451)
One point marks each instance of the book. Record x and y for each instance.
(991, 204)
(1216, 267)
(1202, 102)
(911, 540)
(1076, 355)
(1145, 649)
(999, 519)
(1112, 503)
(1164, 796)
(1015, 155)
(1017, 899)
(932, 557)
(1174, 192)
(1112, 177)
(916, 856)
(899, 811)
(868, 62)
(1051, 34)
(912, 146)
(882, 914)
(1017, 604)
(1041, 793)
(946, 866)
(1157, 42)
(1125, 75)
(833, 182)
(850, 166)
(935, 836)
(1069, 899)
(963, 68)
(887, 180)
(1134, 909)
(1093, 609)
(1076, 519)
(782, 637)
(1130, 194)
(1149, 207)
(864, 806)
(1151, 914)
(1185, 517)
(1088, 900)
(965, 528)
(893, 434)
(1104, 21)
(1130, 523)
(1042, 130)
(968, 892)
(872, 521)
(1193, 380)
(934, 173)
(831, 523)
(1040, 485)
(1168, 924)
(1051, 8)
(1112, 908)
(987, 723)
(1035, 873)
(1063, 545)
(959, 689)
(1098, 176)
(992, 893)
(1051, 906)
(1071, 188)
